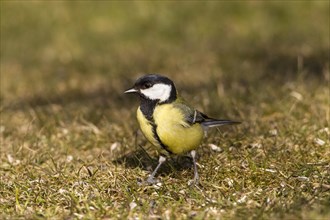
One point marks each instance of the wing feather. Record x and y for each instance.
(193, 116)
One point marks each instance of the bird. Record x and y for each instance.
(168, 122)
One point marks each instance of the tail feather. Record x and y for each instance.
(218, 122)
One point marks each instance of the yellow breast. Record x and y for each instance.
(146, 128)
(174, 132)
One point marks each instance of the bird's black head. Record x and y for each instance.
(155, 88)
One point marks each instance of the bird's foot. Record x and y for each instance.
(193, 182)
(151, 180)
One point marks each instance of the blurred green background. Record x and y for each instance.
(54, 47)
(83, 54)
(64, 67)
(64, 52)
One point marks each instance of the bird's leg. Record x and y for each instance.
(151, 179)
(196, 177)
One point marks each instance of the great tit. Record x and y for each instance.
(168, 122)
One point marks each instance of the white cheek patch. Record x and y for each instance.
(158, 91)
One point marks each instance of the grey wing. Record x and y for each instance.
(193, 116)
(196, 116)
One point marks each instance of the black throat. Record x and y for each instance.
(147, 107)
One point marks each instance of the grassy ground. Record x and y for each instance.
(68, 146)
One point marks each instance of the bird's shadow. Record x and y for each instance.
(140, 158)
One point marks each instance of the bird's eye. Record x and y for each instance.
(147, 85)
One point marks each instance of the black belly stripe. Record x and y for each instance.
(147, 108)
(154, 131)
